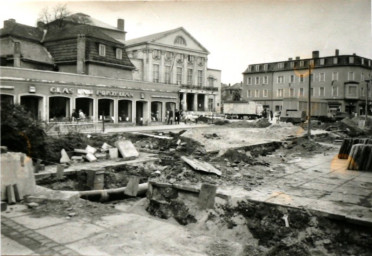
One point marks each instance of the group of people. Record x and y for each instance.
(267, 114)
(77, 115)
(177, 116)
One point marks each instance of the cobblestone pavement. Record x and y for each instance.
(31, 239)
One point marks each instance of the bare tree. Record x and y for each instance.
(57, 15)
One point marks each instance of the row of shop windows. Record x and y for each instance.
(59, 109)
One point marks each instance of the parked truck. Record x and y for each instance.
(242, 109)
(295, 110)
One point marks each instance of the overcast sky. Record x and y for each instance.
(236, 33)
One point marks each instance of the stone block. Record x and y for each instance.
(80, 151)
(64, 157)
(127, 149)
(105, 147)
(114, 153)
(132, 187)
(90, 157)
(10, 194)
(13, 171)
(90, 149)
(100, 155)
(207, 195)
(60, 170)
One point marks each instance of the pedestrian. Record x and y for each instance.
(177, 116)
(75, 115)
(271, 115)
(170, 118)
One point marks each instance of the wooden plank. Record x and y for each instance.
(153, 135)
(201, 166)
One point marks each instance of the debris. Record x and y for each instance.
(17, 193)
(132, 186)
(77, 158)
(10, 194)
(60, 170)
(360, 158)
(4, 206)
(285, 218)
(105, 147)
(64, 157)
(90, 157)
(90, 149)
(72, 214)
(127, 149)
(206, 196)
(100, 155)
(80, 151)
(153, 135)
(32, 205)
(113, 153)
(347, 144)
(201, 166)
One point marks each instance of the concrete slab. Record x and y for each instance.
(11, 247)
(37, 223)
(70, 231)
(15, 211)
(127, 149)
(343, 197)
(114, 153)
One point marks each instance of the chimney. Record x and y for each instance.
(315, 54)
(337, 52)
(289, 58)
(8, 23)
(80, 58)
(17, 55)
(297, 57)
(121, 24)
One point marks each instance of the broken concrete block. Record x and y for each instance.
(105, 147)
(64, 157)
(96, 179)
(80, 151)
(127, 149)
(132, 187)
(90, 149)
(60, 170)
(100, 155)
(17, 194)
(10, 194)
(90, 157)
(114, 153)
(206, 196)
(201, 166)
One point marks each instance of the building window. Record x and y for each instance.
(257, 67)
(362, 91)
(265, 80)
(281, 65)
(350, 76)
(189, 76)
(362, 61)
(334, 76)
(279, 93)
(312, 91)
(256, 93)
(249, 80)
(322, 77)
(119, 53)
(352, 90)
(301, 63)
(200, 77)
(301, 78)
(211, 81)
(362, 77)
(335, 60)
(301, 92)
(280, 79)
(334, 91)
(179, 75)
(265, 67)
(369, 63)
(180, 40)
(102, 50)
(257, 80)
(156, 54)
(311, 62)
(190, 58)
(312, 77)
(155, 73)
(167, 75)
(351, 60)
(321, 92)
(321, 61)
(291, 64)
(265, 93)
(248, 93)
(291, 92)
(292, 78)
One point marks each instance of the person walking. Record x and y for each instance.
(177, 116)
(271, 115)
(170, 118)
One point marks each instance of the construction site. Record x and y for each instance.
(227, 188)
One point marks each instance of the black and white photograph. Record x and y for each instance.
(186, 127)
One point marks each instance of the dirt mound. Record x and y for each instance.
(260, 123)
(221, 122)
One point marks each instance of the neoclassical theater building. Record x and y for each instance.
(81, 63)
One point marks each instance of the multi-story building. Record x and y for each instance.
(231, 92)
(82, 63)
(175, 58)
(339, 80)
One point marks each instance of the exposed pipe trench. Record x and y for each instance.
(104, 195)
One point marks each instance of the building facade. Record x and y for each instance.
(338, 80)
(80, 64)
(175, 58)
